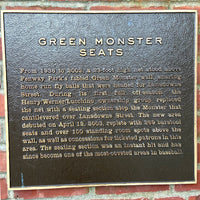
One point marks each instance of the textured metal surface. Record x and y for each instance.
(22, 50)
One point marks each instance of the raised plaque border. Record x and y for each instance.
(96, 12)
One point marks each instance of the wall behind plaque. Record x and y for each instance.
(156, 192)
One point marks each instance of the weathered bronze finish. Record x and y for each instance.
(100, 98)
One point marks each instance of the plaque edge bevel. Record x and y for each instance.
(99, 11)
(195, 95)
(5, 97)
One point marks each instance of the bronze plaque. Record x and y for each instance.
(100, 98)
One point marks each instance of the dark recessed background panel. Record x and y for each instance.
(100, 98)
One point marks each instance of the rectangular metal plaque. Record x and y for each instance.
(100, 98)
